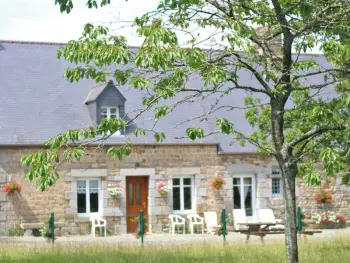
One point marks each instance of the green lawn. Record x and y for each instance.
(334, 251)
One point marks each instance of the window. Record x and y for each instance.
(110, 113)
(244, 193)
(88, 192)
(183, 194)
(276, 187)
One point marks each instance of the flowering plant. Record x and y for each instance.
(162, 188)
(219, 231)
(12, 187)
(218, 182)
(329, 218)
(114, 189)
(325, 196)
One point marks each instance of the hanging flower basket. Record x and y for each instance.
(218, 183)
(162, 188)
(323, 197)
(115, 189)
(12, 188)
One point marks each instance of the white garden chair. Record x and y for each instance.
(195, 220)
(239, 217)
(211, 222)
(176, 220)
(98, 221)
(267, 215)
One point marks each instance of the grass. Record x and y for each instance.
(335, 250)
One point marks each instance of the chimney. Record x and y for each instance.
(268, 47)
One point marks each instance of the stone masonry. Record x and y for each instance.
(159, 163)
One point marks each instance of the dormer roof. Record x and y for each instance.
(97, 90)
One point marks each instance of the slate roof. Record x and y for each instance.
(37, 103)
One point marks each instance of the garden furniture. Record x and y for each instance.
(239, 217)
(267, 215)
(98, 221)
(211, 222)
(176, 220)
(195, 220)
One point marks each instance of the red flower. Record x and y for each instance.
(12, 187)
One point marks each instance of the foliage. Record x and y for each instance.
(15, 231)
(162, 188)
(145, 222)
(327, 250)
(329, 217)
(45, 232)
(218, 182)
(115, 189)
(324, 196)
(12, 187)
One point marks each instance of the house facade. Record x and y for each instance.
(37, 103)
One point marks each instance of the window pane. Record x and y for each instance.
(93, 185)
(131, 195)
(138, 194)
(104, 111)
(94, 202)
(176, 198)
(187, 198)
(81, 202)
(236, 197)
(113, 111)
(176, 181)
(81, 196)
(248, 180)
(236, 181)
(248, 201)
(276, 186)
(187, 181)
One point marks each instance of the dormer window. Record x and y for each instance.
(109, 112)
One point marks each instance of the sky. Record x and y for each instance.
(41, 20)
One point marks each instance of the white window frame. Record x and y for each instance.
(281, 187)
(182, 201)
(108, 111)
(88, 213)
(242, 191)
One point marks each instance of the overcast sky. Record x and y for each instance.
(41, 20)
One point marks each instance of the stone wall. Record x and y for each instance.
(159, 163)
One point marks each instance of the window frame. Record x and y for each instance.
(280, 194)
(182, 201)
(88, 213)
(108, 112)
(241, 186)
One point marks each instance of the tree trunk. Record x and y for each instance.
(289, 173)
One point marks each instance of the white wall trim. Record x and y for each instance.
(88, 172)
(183, 171)
(137, 172)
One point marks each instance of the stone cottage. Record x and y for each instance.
(37, 103)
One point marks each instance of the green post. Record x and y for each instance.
(223, 224)
(52, 225)
(299, 219)
(142, 226)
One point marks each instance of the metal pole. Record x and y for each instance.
(223, 224)
(142, 226)
(53, 227)
(299, 219)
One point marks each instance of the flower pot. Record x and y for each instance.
(329, 226)
(342, 225)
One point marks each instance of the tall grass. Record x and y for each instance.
(334, 251)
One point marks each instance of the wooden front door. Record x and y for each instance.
(136, 200)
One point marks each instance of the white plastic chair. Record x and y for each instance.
(211, 221)
(266, 215)
(98, 221)
(197, 220)
(239, 217)
(176, 220)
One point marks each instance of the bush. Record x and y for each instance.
(15, 231)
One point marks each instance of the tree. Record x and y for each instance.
(292, 120)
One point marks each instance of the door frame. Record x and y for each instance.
(242, 176)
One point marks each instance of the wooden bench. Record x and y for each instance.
(29, 227)
(309, 232)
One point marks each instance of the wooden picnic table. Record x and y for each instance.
(259, 229)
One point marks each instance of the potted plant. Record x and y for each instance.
(162, 188)
(12, 187)
(218, 183)
(327, 220)
(341, 221)
(323, 197)
(114, 189)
